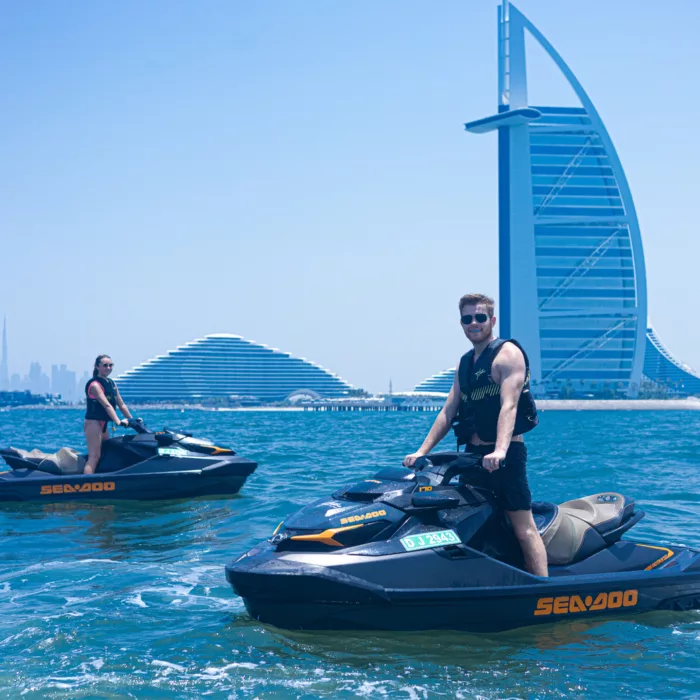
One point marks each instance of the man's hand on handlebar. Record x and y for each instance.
(410, 460)
(493, 461)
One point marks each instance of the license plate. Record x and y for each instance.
(430, 539)
(172, 451)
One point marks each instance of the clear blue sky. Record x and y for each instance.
(297, 172)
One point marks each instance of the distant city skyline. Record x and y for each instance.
(63, 381)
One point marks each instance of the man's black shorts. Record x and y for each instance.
(508, 483)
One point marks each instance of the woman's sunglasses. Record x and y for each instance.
(107, 364)
(479, 318)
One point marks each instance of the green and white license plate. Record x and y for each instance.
(430, 539)
(172, 451)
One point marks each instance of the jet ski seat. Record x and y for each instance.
(587, 525)
(69, 461)
(65, 461)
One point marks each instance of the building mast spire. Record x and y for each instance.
(504, 54)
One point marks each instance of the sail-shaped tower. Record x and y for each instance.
(572, 281)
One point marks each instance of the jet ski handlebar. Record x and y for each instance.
(450, 464)
(163, 437)
(138, 425)
(439, 458)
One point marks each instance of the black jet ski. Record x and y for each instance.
(430, 549)
(144, 466)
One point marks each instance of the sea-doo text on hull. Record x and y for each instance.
(414, 551)
(145, 466)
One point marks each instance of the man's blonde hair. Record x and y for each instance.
(475, 300)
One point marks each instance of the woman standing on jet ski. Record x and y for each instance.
(102, 398)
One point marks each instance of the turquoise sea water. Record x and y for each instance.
(130, 600)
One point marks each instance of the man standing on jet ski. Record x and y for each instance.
(492, 404)
(102, 398)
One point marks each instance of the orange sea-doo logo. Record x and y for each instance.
(95, 487)
(565, 604)
(364, 516)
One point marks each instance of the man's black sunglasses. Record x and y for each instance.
(480, 318)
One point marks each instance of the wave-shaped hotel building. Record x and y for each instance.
(227, 366)
(572, 281)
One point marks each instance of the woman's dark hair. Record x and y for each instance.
(99, 359)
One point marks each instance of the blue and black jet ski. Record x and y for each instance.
(430, 549)
(145, 466)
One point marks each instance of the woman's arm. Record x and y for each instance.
(121, 404)
(99, 395)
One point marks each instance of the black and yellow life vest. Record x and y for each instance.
(480, 396)
(95, 410)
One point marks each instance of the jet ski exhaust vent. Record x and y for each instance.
(688, 602)
(454, 551)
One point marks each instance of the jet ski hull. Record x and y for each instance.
(147, 466)
(192, 482)
(321, 598)
(106, 487)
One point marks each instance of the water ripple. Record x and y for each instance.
(127, 600)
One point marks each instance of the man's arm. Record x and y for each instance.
(442, 423)
(508, 371)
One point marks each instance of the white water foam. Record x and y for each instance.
(136, 600)
(167, 665)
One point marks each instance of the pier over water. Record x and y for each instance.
(405, 402)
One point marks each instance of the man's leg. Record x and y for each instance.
(532, 545)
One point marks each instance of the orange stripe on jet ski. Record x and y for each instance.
(668, 555)
(326, 537)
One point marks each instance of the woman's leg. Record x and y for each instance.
(93, 435)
